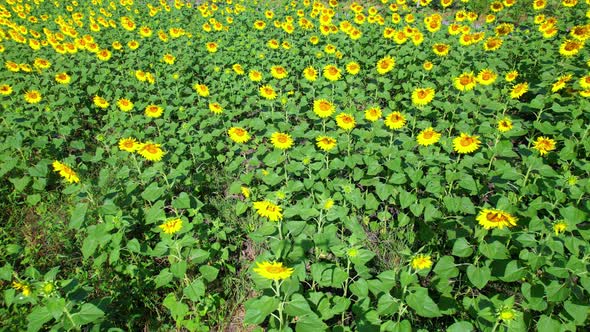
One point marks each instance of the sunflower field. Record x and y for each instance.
(310, 165)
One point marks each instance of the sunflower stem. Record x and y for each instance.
(277, 290)
(285, 168)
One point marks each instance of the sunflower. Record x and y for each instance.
(32, 96)
(255, 75)
(245, 191)
(5, 89)
(559, 227)
(278, 72)
(12, 66)
(325, 143)
(493, 218)
(428, 136)
(353, 68)
(422, 96)
(506, 314)
(441, 49)
(201, 89)
(133, 44)
(238, 135)
(465, 81)
(323, 108)
(273, 270)
(128, 144)
(421, 262)
(150, 151)
(153, 111)
(125, 104)
(281, 140)
(169, 58)
(65, 172)
(504, 125)
(63, 78)
(211, 47)
(395, 120)
(345, 121)
(104, 55)
(519, 90)
(100, 102)
(171, 226)
(310, 74)
(492, 44)
(486, 77)
(544, 145)
(332, 73)
(385, 65)
(466, 143)
(268, 210)
(570, 47)
(373, 114)
(24, 287)
(215, 108)
(561, 81)
(238, 69)
(585, 82)
(268, 92)
(511, 76)
(427, 65)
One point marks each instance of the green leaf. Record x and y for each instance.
(152, 192)
(360, 288)
(209, 272)
(56, 306)
(393, 326)
(134, 246)
(479, 276)
(195, 291)
(178, 269)
(78, 216)
(20, 183)
(573, 215)
(424, 306)
(461, 327)
(88, 313)
(310, 323)
(38, 316)
(446, 267)
(163, 278)
(89, 246)
(467, 182)
(298, 306)
(183, 201)
(177, 309)
(494, 250)
(462, 248)
(547, 324)
(578, 311)
(387, 305)
(258, 309)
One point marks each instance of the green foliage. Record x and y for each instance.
(122, 219)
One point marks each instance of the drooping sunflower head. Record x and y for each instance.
(494, 218)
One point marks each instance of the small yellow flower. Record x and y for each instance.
(504, 125)
(421, 262)
(559, 227)
(245, 191)
(273, 270)
(345, 121)
(171, 226)
(125, 104)
(544, 145)
(65, 172)
(268, 210)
